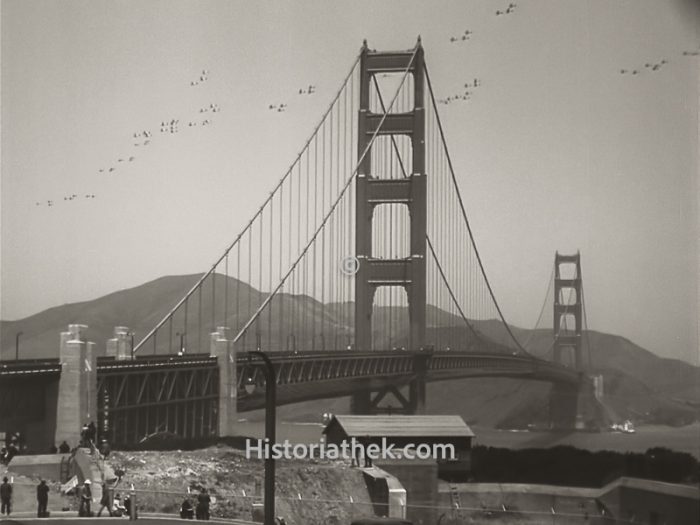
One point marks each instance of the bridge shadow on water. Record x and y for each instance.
(548, 439)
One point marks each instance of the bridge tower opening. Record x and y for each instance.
(411, 191)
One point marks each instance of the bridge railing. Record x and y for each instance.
(240, 501)
(301, 505)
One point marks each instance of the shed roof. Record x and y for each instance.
(650, 485)
(402, 426)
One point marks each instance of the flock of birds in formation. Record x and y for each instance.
(282, 107)
(464, 37)
(469, 88)
(508, 10)
(143, 138)
(171, 126)
(655, 66)
(649, 66)
(71, 197)
(462, 97)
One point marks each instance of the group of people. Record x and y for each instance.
(63, 448)
(42, 498)
(115, 506)
(201, 511)
(14, 444)
(7, 453)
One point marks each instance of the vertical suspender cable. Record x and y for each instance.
(269, 284)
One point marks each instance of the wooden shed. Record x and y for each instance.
(401, 430)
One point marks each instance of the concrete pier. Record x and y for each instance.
(77, 387)
(222, 348)
(119, 346)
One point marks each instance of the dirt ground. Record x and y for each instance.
(307, 492)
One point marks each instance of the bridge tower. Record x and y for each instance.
(562, 309)
(372, 190)
(563, 403)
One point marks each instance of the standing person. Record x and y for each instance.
(42, 498)
(105, 448)
(92, 432)
(203, 501)
(12, 451)
(84, 436)
(127, 505)
(5, 497)
(85, 499)
(105, 501)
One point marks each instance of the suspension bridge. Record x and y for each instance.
(358, 275)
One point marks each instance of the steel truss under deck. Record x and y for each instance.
(138, 400)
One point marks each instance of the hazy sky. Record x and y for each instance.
(557, 150)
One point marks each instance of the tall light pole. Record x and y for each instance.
(270, 431)
(17, 345)
(182, 342)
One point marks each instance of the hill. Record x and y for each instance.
(638, 384)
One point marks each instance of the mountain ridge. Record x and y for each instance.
(640, 385)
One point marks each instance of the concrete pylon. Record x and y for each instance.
(77, 387)
(119, 346)
(222, 348)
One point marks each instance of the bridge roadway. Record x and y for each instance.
(301, 376)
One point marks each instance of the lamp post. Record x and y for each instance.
(132, 334)
(270, 424)
(17, 345)
(182, 342)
